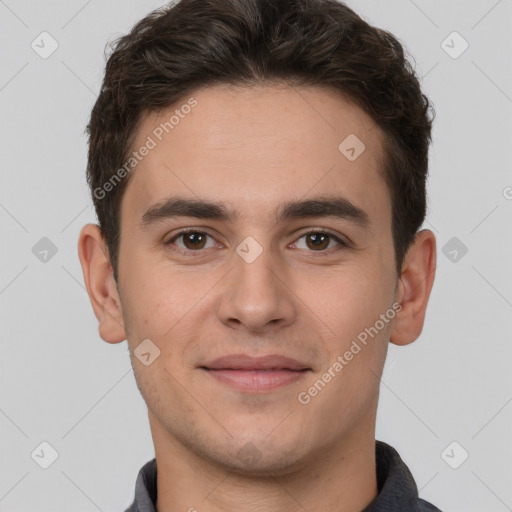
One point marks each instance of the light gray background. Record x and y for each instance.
(60, 383)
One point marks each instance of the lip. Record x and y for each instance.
(246, 362)
(256, 380)
(256, 374)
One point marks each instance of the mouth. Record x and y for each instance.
(256, 374)
(256, 380)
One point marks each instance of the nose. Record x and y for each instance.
(257, 295)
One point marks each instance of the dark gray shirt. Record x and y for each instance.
(396, 486)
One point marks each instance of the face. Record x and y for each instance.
(251, 278)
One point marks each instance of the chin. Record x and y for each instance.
(250, 461)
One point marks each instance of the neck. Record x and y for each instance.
(340, 478)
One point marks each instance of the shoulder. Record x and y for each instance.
(425, 506)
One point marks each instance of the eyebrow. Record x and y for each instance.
(323, 206)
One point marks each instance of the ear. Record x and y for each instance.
(100, 284)
(414, 287)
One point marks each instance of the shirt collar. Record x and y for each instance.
(145, 489)
(396, 487)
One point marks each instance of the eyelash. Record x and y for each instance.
(188, 252)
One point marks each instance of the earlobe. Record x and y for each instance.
(414, 288)
(100, 284)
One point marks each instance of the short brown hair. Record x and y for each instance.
(192, 44)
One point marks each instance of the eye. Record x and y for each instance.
(319, 241)
(193, 240)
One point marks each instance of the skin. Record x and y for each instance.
(256, 148)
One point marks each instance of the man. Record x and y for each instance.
(258, 168)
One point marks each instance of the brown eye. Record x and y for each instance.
(190, 241)
(318, 240)
(194, 240)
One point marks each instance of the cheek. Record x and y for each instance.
(351, 308)
(352, 300)
(156, 295)
(167, 306)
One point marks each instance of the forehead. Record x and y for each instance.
(257, 147)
